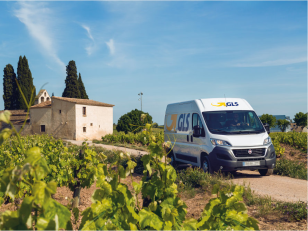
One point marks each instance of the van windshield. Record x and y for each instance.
(233, 122)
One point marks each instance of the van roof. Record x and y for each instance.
(211, 104)
(223, 104)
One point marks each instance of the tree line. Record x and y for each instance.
(14, 85)
(300, 119)
(13, 99)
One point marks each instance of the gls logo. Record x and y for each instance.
(228, 104)
(182, 119)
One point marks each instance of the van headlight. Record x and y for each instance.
(267, 141)
(219, 142)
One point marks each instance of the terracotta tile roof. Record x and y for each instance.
(83, 101)
(45, 104)
(39, 94)
(18, 116)
(16, 112)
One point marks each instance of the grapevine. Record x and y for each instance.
(40, 166)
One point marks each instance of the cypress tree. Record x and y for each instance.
(82, 89)
(71, 82)
(25, 82)
(9, 88)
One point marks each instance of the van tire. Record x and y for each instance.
(205, 165)
(266, 172)
(173, 162)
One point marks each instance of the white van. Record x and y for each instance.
(219, 134)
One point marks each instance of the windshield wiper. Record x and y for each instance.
(219, 130)
(246, 132)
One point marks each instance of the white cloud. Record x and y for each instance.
(277, 62)
(36, 18)
(91, 47)
(278, 56)
(89, 31)
(111, 46)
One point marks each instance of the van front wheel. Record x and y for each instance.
(266, 172)
(205, 165)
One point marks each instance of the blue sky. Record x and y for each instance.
(171, 51)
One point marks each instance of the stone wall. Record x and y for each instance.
(97, 122)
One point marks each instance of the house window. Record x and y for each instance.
(84, 111)
(44, 93)
(60, 111)
(47, 99)
(42, 128)
(42, 99)
(84, 129)
(91, 124)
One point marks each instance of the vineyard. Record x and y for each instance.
(32, 167)
(131, 138)
(295, 139)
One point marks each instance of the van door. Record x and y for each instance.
(197, 137)
(181, 148)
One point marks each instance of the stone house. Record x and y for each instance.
(41, 97)
(296, 128)
(71, 118)
(18, 118)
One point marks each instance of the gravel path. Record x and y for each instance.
(110, 147)
(277, 187)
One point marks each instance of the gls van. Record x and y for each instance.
(219, 134)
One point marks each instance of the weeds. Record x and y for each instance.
(290, 168)
(294, 211)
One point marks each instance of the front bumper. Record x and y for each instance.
(223, 158)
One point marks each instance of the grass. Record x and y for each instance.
(290, 168)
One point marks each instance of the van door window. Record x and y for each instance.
(198, 129)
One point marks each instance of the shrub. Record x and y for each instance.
(192, 177)
(155, 125)
(132, 122)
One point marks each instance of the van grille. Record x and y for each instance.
(244, 152)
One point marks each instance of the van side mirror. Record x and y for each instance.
(267, 128)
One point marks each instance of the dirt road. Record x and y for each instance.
(277, 187)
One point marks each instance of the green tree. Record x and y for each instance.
(155, 125)
(71, 82)
(82, 89)
(283, 124)
(25, 81)
(300, 119)
(268, 119)
(9, 88)
(132, 120)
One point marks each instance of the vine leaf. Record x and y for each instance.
(150, 220)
